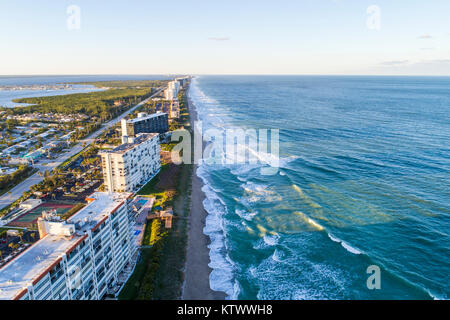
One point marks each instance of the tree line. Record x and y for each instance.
(10, 180)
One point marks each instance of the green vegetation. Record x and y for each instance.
(50, 182)
(184, 112)
(73, 210)
(99, 106)
(10, 180)
(99, 103)
(111, 136)
(168, 146)
(69, 161)
(159, 272)
(13, 205)
(131, 290)
(151, 187)
(88, 152)
(3, 230)
(127, 84)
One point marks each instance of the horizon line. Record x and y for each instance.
(219, 74)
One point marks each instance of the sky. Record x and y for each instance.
(391, 37)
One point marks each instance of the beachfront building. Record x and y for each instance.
(174, 110)
(145, 123)
(172, 90)
(82, 258)
(182, 81)
(131, 165)
(169, 94)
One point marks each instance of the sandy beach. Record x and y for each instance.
(196, 285)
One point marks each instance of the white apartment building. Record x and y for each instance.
(169, 94)
(78, 259)
(131, 165)
(174, 109)
(172, 90)
(174, 85)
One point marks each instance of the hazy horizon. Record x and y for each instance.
(221, 74)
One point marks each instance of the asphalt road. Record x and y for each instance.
(16, 192)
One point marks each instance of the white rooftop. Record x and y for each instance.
(148, 116)
(125, 147)
(23, 269)
(30, 264)
(101, 207)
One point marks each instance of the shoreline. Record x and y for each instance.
(196, 285)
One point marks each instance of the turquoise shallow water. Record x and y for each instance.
(363, 180)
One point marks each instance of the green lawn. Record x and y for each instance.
(159, 272)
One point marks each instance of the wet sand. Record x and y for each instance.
(196, 285)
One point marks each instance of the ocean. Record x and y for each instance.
(363, 180)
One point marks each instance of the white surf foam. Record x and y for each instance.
(277, 256)
(345, 245)
(221, 277)
(244, 214)
(271, 240)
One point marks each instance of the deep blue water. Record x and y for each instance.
(363, 180)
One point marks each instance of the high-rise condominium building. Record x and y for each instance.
(146, 123)
(131, 165)
(82, 258)
(172, 90)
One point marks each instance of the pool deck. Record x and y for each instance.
(141, 218)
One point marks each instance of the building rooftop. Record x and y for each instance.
(149, 116)
(40, 258)
(123, 148)
(20, 272)
(101, 204)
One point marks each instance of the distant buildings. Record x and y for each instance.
(34, 154)
(174, 109)
(82, 258)
(30, 204)
(144, 123)
(89, 255)
(171, 94)
(182, 81)
(131, 165)
(119, 103)
(7, 170)
(172, 90)
(54, 117)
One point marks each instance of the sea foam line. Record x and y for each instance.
(345, 245)
(221, 277)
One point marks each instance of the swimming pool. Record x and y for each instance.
(142, 202)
